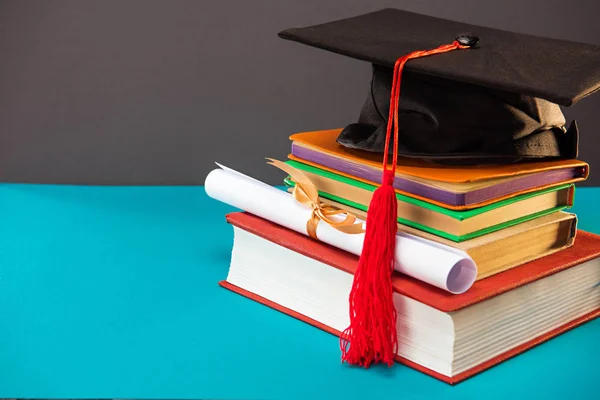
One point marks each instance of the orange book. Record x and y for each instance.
(451, 186)
(450, 337)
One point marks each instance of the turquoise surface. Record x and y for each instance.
(112, 292)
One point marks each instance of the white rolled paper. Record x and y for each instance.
(439, 265)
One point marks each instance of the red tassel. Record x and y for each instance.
(372, 330)
(372, 335)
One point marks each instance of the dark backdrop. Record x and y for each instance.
(153, 92)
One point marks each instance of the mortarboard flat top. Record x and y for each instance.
(559, 71)
(496, 102)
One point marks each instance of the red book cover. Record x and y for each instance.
(586, 247)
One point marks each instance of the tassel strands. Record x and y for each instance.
(372, 337)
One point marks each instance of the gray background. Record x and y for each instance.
(153, 92)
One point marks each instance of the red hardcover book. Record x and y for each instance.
(450, 337)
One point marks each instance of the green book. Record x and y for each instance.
(455, 225)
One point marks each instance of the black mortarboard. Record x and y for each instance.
(496, 102)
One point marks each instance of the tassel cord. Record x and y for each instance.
(372, 334)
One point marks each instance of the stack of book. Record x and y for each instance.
(502, 215)
(536, 271)
(489, 261)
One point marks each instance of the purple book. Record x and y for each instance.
(504, 188)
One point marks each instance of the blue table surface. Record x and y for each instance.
(112, 292)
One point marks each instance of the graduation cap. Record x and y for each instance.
(498, 102)
(450, 92)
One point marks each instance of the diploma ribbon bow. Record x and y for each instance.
(305, 193)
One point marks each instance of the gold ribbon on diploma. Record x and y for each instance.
(305, 193)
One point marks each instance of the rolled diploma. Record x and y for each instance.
(442, 266)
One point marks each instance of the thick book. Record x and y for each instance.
(455, 225)
(450, 337)
(450, 186)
